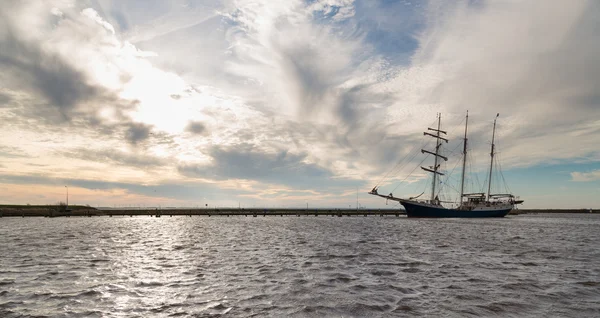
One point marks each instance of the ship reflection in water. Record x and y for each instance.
(543, 265)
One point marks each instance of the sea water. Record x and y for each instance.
(525, 265)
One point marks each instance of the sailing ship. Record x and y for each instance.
(470, 205)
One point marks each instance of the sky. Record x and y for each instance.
(259, 103)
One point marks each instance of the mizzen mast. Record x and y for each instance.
(492, 158)
(436, 154)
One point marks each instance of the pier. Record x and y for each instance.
(251, 212)
(81, 211)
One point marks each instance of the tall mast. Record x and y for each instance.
(435, 162)
(492, 157)
(438, 143)
(462, 179)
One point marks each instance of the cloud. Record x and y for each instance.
(54, 68)
(60, 84)
(12, 152)
(334, 9)
(593, 175)
(304, 67)
(245, 161)
(115, 157)
(323, 75)
(4, 99)
(92, 14)
(196, 127)
(137, 132)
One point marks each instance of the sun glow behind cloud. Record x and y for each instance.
(283, 102)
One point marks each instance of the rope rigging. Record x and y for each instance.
(420, 163)
(450, 174)
(400, 165)
(502, 174)
(447, 185)
(411, 156)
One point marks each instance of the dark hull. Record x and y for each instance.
(420, 211)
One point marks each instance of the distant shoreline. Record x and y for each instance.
(87, 211)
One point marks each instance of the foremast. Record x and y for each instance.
(464, 163)
(434, 169)
(492, 158)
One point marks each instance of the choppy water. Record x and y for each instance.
(528, 265)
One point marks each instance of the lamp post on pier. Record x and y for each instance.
(67, 204)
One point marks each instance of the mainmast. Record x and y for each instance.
(436, 154)
(462, 179)
(492, 158)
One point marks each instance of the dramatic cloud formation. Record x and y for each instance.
(279, 103)
(244, 161)
(538, 71)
